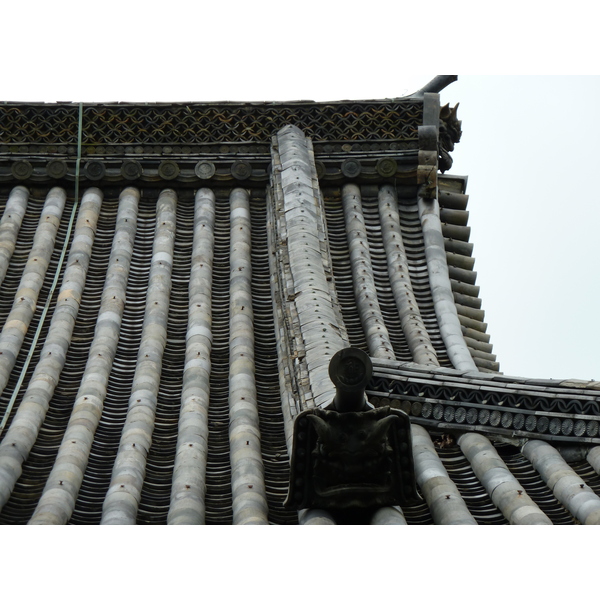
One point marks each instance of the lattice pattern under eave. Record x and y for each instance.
(206, 123)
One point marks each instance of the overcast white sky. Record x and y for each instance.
(528, 147)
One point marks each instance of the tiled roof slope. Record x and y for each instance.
(162, 328)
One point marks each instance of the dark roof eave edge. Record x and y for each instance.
(229, 103)
(435, 86)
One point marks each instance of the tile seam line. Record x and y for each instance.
(61, 260)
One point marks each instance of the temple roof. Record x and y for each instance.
(177, 277)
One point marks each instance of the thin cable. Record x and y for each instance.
(61, 260)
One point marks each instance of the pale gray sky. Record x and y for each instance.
(529, 147)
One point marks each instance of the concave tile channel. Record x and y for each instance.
(218, 469)
(534, 485)
(342, 269)
(156, 491)
(273, 446)
(478, 502)
(412, 237)
(389, 311)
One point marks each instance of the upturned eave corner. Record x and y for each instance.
(443, 118)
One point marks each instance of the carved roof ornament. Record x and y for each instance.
(350, 456)
(449, 134)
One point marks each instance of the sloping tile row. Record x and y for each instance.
(473, 481)
(27, 422)
(456, 232)
(395, 250)
(133, 298)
